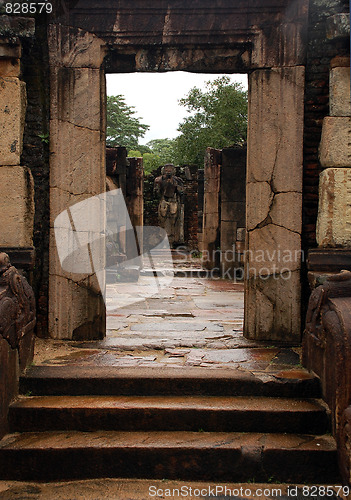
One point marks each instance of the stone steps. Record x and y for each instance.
(206, 456)
(76, 422)
(79, 380)
(168, 413)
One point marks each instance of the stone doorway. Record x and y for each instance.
(78, 60)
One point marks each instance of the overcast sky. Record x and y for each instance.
(155, 97)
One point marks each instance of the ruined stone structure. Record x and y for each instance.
(296, 53)
(270, 45)
(224, 225)
(126, 243)
(273, 44)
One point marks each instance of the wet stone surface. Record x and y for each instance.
(193, 322)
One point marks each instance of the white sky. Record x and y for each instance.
(155, 97)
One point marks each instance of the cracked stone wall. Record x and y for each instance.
(16, 183)
(77, 172)
(321, 49)
(334, 211)
(274, 209)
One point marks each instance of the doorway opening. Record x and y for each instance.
(179, 300)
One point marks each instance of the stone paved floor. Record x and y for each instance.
(188, 322)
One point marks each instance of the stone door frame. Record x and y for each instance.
(274, 166)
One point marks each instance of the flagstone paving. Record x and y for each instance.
(190, 322)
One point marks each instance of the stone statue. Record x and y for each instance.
(170, 189)
(17, 303)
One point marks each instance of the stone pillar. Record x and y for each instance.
(135, 205)
(77, 172)
(211, 210)
(334, 210)
(233, 192)
(274, 204)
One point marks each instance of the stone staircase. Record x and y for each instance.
(214, 425)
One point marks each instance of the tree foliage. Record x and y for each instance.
(156, 153)
(218, 119)
(123, 128)
(164, 148)
(151, 160)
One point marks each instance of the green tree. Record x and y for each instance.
(151, 161)
(123, 128)
(218, 119)
(164, 148)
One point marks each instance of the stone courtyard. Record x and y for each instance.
(192, 322)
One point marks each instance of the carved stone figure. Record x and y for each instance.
(17, 303)
(327, 352)
(170, 189)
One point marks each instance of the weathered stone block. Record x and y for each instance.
(276, 128)
(335, 146)
(10, 67)
(340, 62)
(334, 211)
(80, 150)
(69, 87)
(80, 312)
(211, 220)
(339, 92)
(234, 210)
(241, 233)
(9, 50)
(12, 115)
(272, 308)
(260, 197)
(16, 206)
(286, 211)
(273, 249)
(228, 235)
(88, 51)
